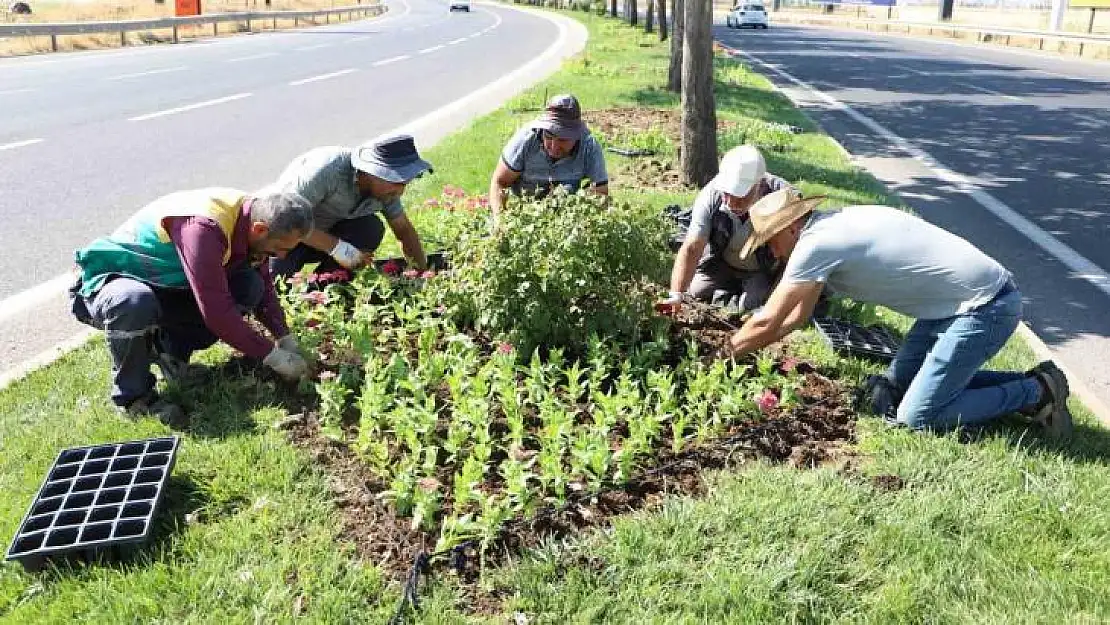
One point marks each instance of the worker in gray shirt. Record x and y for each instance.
(966, 306)
(708, 265)
(347, 189)
(555, 150)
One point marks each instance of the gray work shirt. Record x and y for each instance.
(538, 172)
(885, 256)
(325, 177)
(726, 231)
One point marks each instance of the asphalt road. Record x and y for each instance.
(88, 138)
(1010, 150)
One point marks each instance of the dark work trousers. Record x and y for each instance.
(365, 233)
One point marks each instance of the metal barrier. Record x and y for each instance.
(54, 30)
(981, 34)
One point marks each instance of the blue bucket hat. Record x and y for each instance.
(394, 159)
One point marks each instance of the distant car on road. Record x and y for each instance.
(751, 14)
(460, 5)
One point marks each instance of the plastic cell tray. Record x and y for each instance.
(95, 498)
(436, 260)
(856, 340)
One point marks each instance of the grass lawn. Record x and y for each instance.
(999, 528)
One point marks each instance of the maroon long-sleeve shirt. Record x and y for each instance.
(201, 246)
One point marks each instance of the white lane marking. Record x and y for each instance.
(314, 47)
(1082, 267)
(392, 60)
(912, 70)
(454, 41)
(304, 81)
(991, 91)
(430, 50)
(164, 70)
(14, 91)
(189, 107)
(19, 144)
(252, 57)
(34, 296)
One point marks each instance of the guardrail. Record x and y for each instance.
(54, 30)
(981, 34)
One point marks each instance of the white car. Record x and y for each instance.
(460, 5)
(742, 15)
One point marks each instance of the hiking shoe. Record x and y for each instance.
(173, 368)
(153, 405)
(1053, 415)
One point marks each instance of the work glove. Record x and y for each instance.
(671, 305)
(347, 255)
(289, 344)
(289, 365)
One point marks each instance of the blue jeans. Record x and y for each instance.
(138, 318)
(938, 366)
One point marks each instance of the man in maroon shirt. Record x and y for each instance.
(180, 275)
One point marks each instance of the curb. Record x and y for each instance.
(1039, 348)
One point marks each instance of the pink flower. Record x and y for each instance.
(788, 364)
(342, 275)
(296, 279)
(391, 268)
(505, 348)
(428, 273)
(316, 297)
(768, 401)
(453, 191)
(431, 202)
(411, 273)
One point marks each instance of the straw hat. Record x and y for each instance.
(773, 213)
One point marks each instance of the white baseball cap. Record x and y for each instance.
(741, 168)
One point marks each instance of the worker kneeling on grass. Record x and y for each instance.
(966, 306)
(556, 150)
(178, 276)
(708, 264)
(347, 189)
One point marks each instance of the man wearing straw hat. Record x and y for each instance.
(966, 305)
(347, 188)
(555, 150)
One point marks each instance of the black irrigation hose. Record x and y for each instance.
(421, 565)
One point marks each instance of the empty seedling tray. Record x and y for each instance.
(856, 340)
(436, 260)
(93, 498)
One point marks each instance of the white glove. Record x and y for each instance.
(289, 344)
(288, 365)
(346, 254)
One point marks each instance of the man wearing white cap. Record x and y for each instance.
(966, 306)
(708, 264)
(555, 150)
(347, 188)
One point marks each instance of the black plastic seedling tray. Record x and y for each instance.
(436, 260)
(856, 340)
(95, 498)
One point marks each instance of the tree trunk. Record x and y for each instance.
(674, 72)
(649, 17)
(633, 18)
(699, 117)
(662, 5)
(612, 8)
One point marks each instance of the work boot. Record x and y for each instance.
(1052, 411)
(174, 369)
(153, 405)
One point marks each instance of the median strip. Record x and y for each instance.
(190, 107)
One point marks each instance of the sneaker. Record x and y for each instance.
(153, 405)
(1053, 415)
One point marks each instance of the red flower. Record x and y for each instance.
(411, 273)
(504, 348)
(391, 268)
(429, 273)
(311, 323)
(342, 275)
(788, 364)
(768, 401)
(316, 297)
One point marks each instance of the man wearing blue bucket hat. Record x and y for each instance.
(347, 189)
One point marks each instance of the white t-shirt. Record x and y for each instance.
(885, 256)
